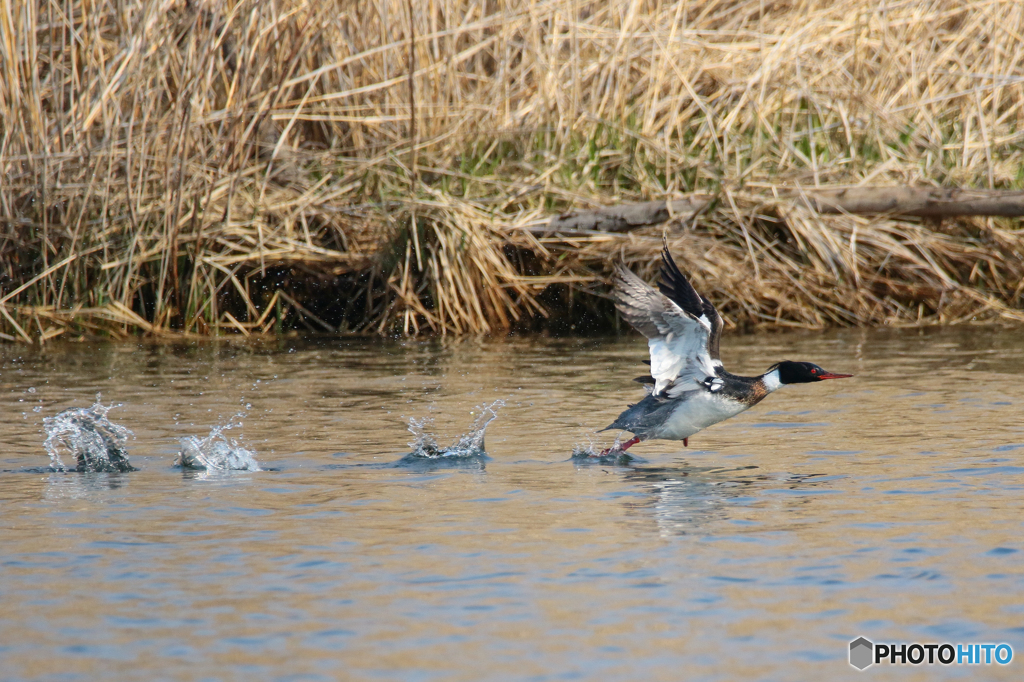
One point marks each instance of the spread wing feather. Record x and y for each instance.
(680, 325)
(677, 288)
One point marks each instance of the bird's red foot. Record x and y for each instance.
(686, 442)
(622, 447)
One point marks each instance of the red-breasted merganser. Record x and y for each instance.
(688, 389)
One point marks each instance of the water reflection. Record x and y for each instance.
(93, 486)
(419, 463)
(686, 498)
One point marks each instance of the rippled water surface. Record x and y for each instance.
(889, 505)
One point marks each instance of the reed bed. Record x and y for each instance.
(193, 168)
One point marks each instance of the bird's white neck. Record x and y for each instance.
(771, 381)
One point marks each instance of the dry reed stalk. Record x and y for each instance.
(182, 166)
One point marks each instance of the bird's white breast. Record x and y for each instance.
(697, 413)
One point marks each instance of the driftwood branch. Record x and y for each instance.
(624, 217)
(925, 202)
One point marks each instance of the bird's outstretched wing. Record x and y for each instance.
(675, 285)
(681, 326)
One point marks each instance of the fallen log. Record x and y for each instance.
(924, 202)
(624, 217)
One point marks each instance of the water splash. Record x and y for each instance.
(217, 452)
(469, 445)
(581, 451)
(590, 453)
(85, 433)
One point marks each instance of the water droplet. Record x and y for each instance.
(32, 389)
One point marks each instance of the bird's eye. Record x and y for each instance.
(814, 371)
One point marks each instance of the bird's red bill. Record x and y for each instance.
(833, 375)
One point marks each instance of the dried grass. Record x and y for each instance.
(189, 167)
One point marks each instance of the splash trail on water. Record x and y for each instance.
(469, 445)
(85, 433)
(217, 452)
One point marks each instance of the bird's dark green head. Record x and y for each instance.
(804, 373)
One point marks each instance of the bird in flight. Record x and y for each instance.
(688, 389)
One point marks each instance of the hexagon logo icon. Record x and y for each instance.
(862, 652)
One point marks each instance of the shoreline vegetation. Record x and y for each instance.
(190, 168)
